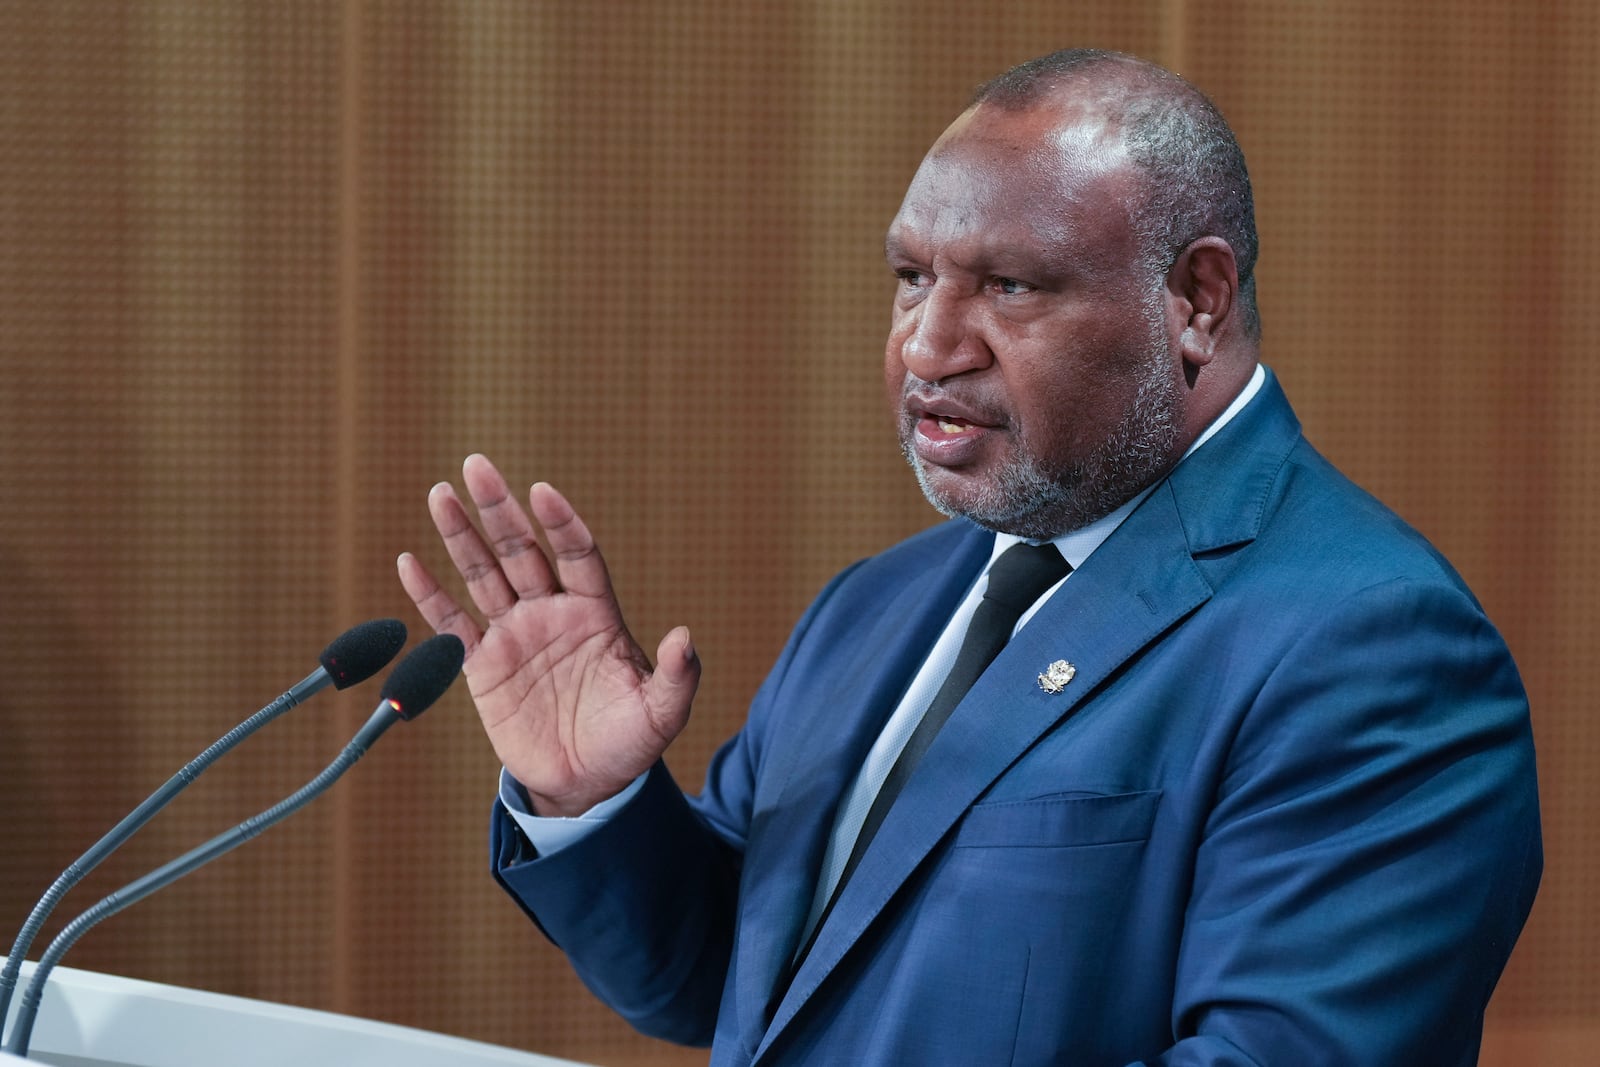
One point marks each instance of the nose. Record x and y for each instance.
(939, 336)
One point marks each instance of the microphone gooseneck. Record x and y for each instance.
(352, 657)
(416, 682)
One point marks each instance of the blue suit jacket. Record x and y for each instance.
(1285, 813)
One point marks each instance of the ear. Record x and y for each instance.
(1201, 287)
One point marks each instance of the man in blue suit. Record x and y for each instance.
(1253, 784)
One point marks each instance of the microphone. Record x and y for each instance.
(419, 680)
(352, 657)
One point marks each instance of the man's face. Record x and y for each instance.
(1029, 360)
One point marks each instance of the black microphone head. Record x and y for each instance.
(424, 675)
(362, 651)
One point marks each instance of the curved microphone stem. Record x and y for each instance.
(314, 682)
(22, 1029)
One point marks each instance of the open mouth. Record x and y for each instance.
(944, 424)
(951, 431)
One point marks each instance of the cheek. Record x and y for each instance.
(1062, 414)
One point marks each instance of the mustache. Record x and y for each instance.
(974, 403)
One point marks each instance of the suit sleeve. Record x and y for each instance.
(1373, 849)
(645, 906)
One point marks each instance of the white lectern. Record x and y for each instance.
(98, 1020)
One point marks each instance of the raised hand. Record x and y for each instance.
(569, 699)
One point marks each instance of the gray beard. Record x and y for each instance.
(1029, 500)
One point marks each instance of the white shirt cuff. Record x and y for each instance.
(551, 834)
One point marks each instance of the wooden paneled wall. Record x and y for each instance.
(268, 271)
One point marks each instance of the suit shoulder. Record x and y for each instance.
(1352, 530)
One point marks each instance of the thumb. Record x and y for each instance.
(672, 685)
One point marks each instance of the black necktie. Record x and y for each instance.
(1017, 579)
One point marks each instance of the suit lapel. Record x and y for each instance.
(790, 833)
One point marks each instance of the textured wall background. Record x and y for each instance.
(269, 271)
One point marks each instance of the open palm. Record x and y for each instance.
(569, 699)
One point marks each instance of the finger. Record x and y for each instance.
(579, 565)
(669, 692)
(507, 529)
(486, 583)
(438, 609)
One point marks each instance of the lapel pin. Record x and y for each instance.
(1056, 676)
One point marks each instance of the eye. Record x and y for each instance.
(1009, 286)
(910, 277)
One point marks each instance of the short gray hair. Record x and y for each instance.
(1196, 181)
